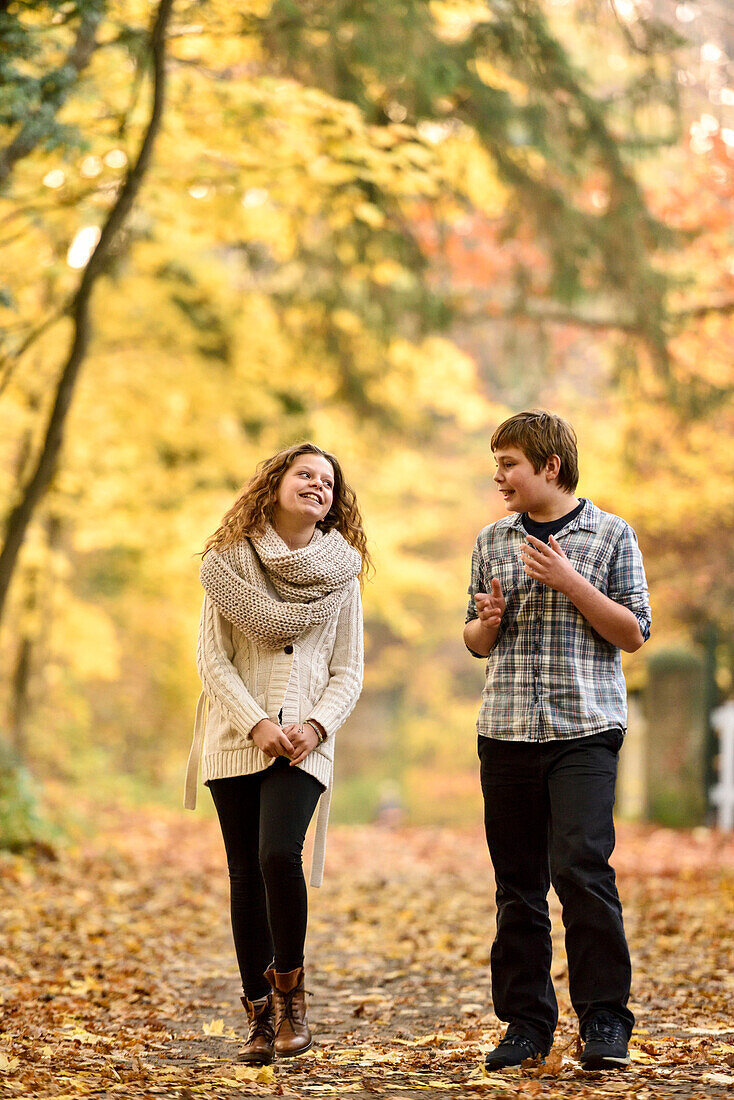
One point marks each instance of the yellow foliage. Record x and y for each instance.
(495, 78)
(434, 376)
(85, 638)
(248, 306)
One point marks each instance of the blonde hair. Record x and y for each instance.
(540, 434)
(253, 509)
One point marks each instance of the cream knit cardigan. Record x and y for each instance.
(319, 677)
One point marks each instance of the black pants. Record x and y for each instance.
(264, 818)
(548, 818)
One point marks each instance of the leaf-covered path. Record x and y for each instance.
(117, 972)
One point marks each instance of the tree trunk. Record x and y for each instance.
(37, 485)
(19, 701)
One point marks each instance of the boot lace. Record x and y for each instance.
(262, 1025)
(289, 1006)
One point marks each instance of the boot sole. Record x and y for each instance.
(255, 1060)
(293, 1053)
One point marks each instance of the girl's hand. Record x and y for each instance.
(271, 739)
(491, 607)
(303, 739)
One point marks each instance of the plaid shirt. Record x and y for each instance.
(549, 675)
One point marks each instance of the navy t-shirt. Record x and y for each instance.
(543, 531)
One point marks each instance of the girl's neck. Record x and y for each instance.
(293, 534)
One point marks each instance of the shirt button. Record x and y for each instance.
(288, 649)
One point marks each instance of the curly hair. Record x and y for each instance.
(253, 509)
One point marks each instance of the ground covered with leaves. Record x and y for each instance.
(117, 974)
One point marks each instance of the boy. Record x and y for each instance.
(557, 590)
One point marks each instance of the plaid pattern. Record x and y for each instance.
(549, 675)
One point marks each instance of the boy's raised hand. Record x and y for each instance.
(548, 564)
(491, 606)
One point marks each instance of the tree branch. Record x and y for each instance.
(629, 38)
(9, 362)
(548, 313)
(38, 483)
(32, 131)
(704, 309)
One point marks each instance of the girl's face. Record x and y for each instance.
(306, 490)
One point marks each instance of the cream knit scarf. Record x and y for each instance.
(311, 583)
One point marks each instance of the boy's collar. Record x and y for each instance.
(588, 519)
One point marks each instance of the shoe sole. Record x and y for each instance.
(600, 1062)
(511, 1065)
(256, 1060)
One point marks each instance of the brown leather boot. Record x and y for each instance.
(292, 1033)
(259, 1048)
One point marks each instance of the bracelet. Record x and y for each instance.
(319, 733)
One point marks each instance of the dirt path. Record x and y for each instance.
(118, 975)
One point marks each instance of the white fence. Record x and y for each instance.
(722, 795)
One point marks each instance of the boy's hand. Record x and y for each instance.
(491, 606)
(548, 564)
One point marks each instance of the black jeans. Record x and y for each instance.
(264, 818)
(548, 818)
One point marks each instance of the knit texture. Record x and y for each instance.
(309, 584)
(245, 681)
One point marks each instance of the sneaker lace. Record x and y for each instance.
(517, 1041)
(605, 1027)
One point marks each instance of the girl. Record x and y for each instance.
(280, 658)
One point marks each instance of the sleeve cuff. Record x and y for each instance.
(248, 735)
(326, 719)
(644, 624)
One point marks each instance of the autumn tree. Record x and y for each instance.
(341, 195)
(79, 306)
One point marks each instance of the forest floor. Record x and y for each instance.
(117, 975)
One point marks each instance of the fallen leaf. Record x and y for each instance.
(259, 1075)
(641, 1056)
(216, 1027)
(718, 1078)
(537, 1067)
(80, 1035)
(63, 1000)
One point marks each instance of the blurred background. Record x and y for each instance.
(383, 225)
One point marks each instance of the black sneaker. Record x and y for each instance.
(511, 1051)
(605, 1043)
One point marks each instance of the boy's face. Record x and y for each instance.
(522, 489)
